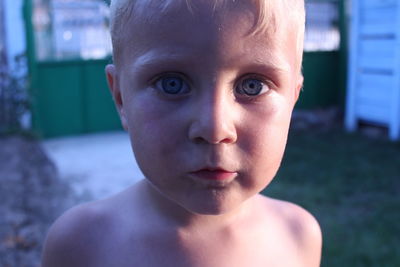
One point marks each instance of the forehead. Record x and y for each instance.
(230, 31)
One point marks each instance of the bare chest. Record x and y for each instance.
(257, 252)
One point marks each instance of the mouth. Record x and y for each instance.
(214, 174)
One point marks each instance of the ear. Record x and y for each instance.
(113, 85)
(299, 87)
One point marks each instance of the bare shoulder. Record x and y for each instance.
(72, 239)
(302, 222)
(88, 234)
(302, 226)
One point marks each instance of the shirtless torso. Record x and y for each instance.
(125, 231)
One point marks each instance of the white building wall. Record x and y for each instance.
(374, 67)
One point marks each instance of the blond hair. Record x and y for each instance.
(293, 10)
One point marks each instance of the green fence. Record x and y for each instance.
(322, 86)
(71, 97)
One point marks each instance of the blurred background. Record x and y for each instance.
(61, 142)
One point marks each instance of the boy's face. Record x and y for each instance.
(206, 103)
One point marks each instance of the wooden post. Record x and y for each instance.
(350, 120)
(343, 52)
(31, 58)
(394, 131)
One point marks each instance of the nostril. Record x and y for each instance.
(213, 139)
(199, 140)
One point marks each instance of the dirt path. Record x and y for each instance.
(31, 197)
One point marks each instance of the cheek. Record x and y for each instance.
(264, 137)
(268, 121)
(154, 126)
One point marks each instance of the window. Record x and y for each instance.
(70, 29)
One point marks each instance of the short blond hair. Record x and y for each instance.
(293, 10)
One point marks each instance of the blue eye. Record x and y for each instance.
(251, 87)
(172, 85)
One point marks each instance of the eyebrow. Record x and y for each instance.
(276, 64)
(161, 57)
(157, 57)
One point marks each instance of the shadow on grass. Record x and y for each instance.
(351, 184)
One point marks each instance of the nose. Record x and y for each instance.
(213, 121)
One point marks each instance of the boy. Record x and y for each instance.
(205, 89)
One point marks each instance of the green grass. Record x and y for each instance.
(351, 184)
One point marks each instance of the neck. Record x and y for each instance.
(174, 215)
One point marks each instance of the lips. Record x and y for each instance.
(213, 174)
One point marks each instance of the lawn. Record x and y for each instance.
(351, 183)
